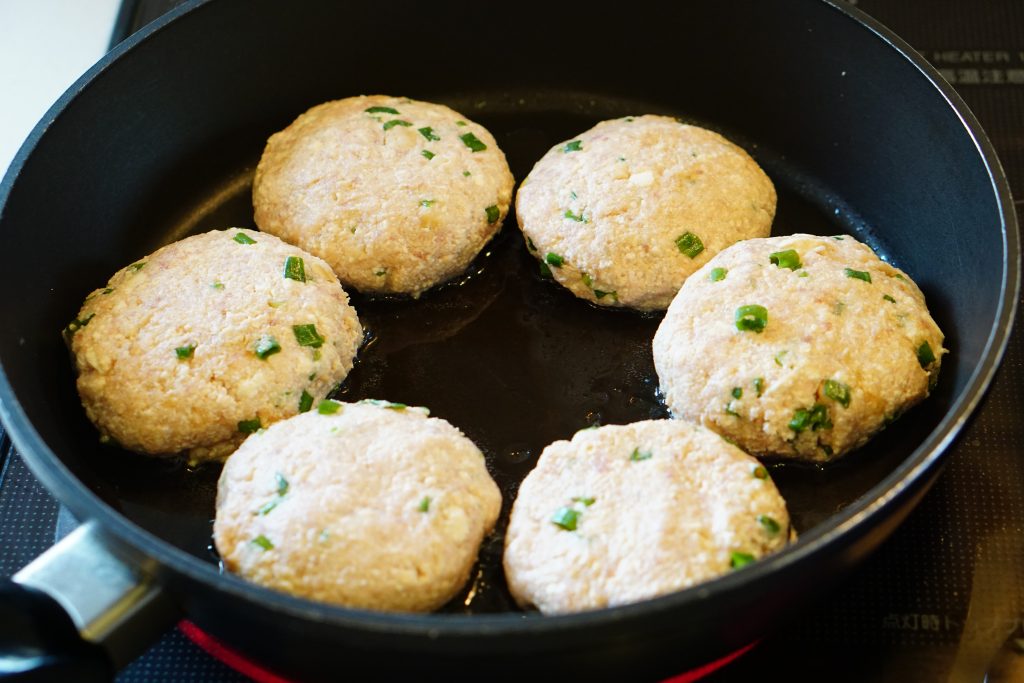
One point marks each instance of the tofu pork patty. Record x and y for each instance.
(208, 339)
(397, 195)
(370, 505)
(799, 347)
(623, 513)
(626, 211)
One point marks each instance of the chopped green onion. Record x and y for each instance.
(925, 355)
(899, 277)
(889, 298)
(242, 238)
(427, 154)
(381, 110)
(769, 524)
(263, 542)
(838, 237)
(136, 267)
(328, 407)
(553, 259)
(717, 274)
(574, 216)
(493, 213)
(428, 202)
(76, 325)
(305, 401)
(858, 274)
(637, 455)
(267, 507)
(472, 142)
(566, 517)
(587, 280)
(466, 173)
(428, 133)
(600, 294)
(737, 392)
(585, 500)
(380, 272)
(738, 559)
(307, 335)
(282, 483)
(295, 268)
(185, 352)
(751, 318)
(396, 122)
(266, 346)
(574, 146)
(760, 472)
(424, 504)
(689, 244)
(384, 404)
(786, 259)
(545, 271)
(107, 290)
(816, 418)
(838, 392)
(218, 285)
(461, 123)
(249, 426)
(759, 385)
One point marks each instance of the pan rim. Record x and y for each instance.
(905, 480)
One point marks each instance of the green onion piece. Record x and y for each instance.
(384, 404)
(689, 244)
(737, 392)
(816, 418)
(267, 507)
(769, 524)
(428, 202)
(717, 274)
(566, 517)
(428, 133)
(461, 123)
(424, 504)
(585, 500)
(545, 271)
(242, 238)
(396, 122)
(328, 407)
(858, 274)
(493, 213)
(380, 272)
(760, 472)
(574, 146)
(637, 455)
(472, 142)
(136, 267)
(838, 392)
(427, 154)
(628, 119)
(305, 402)
(249, 426)
(76, 324)
(185, 352)
(381, 110)
(282, 483)
(307, 335)
(838, 237)
(466, 173)
(786, 259)
(576, 217)
(266, 346)
(587, 280)
(295, 268)
(600, 294)
(925, 355)
(218, 285)
(107, 290)
(263, 542)
(751, 318)
(899, 277)
(553, 259)
(889, 298)
(759, 385)
(738, 559)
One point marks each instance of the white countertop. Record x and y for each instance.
(45, 45)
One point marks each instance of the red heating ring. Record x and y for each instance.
(239, 663)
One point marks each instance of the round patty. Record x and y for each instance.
(208, 339)
(626, 513)
(801, 346)
(623, 213)
(371, 505)
(396, 195)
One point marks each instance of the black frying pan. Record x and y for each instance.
(160, 139)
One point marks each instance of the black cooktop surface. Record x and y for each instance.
(943, 599)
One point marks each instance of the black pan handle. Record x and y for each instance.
(39, 642)
(80, 611)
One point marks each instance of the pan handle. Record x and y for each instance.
(79, 612)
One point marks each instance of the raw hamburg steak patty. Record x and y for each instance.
(207, 339)
(800, 347)
(625, 513)
(397, 195)
(625, 212)
(370, 505)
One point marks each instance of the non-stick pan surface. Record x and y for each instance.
(161, 139)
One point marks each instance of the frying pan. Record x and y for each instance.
(160, 139)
